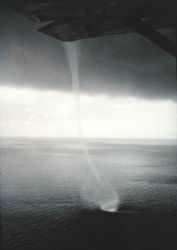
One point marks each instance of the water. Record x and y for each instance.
(42, 205)
(104, 195)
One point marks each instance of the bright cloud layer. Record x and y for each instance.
(30, 112)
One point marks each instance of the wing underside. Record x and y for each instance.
(70, 20)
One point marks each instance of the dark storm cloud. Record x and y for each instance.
(126, 64)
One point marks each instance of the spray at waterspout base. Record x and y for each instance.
(110, 206)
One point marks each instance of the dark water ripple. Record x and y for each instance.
(43, 207)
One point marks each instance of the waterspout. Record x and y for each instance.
(105, 197)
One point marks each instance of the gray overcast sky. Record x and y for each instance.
(122, 65)
(36, 95)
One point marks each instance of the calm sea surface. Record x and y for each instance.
(51, 198)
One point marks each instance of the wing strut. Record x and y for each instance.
(154, 36)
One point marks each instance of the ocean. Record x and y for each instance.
(51, 199)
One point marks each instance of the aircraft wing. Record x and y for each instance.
(69, 20)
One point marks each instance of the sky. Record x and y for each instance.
(29, 112)
(127, 85)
